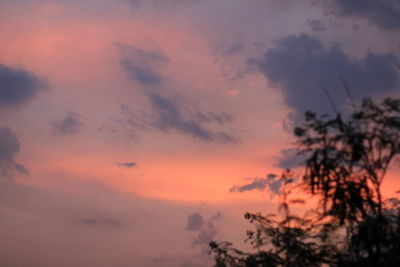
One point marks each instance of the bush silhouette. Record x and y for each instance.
(347, 158)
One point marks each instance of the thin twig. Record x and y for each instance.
(331, 101)
(348, 92)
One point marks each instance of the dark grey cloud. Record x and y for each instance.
(169, 111)
(129, 164)
(17, 86)
(270, 182)
(102, 222)
(71, 124)
(9, 147)
(301, 66)
(206, 229)
(383, 13)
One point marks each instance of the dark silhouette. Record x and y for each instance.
(347, 157)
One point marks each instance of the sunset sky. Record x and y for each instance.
(132, 132)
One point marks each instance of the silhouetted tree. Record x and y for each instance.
(347, 158)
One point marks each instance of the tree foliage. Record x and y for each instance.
(347, 158)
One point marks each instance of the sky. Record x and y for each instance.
(133, 132)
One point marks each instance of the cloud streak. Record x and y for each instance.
(270, 182)
(128, 164)
(169, 111)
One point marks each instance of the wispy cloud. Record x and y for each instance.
(69, 125)
(206, 229)
(270, 182)
(128, 164)
(9, 147)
